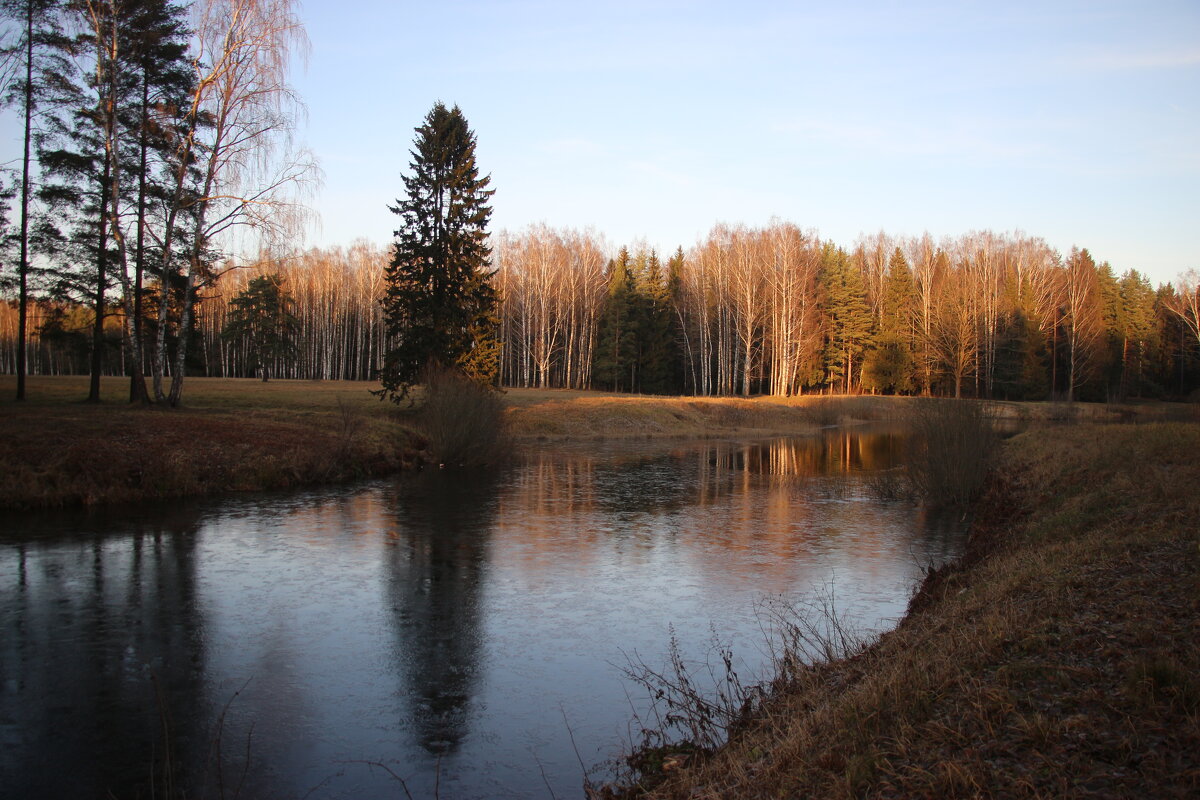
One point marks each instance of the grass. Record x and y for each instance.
(232, 436)
(1060, 658)
(243, 434)
(548, 415)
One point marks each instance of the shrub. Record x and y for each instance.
(463, 420)
(951, 449)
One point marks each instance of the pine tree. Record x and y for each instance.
(38, 53)
(155, 54)
(263, 317)
(891, 366)
(440, 305)
(849, 316)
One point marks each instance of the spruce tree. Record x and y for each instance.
(440, 305)
(658, 353)
(262, 316)
(850, 323)
(615, 335)
(891, 365)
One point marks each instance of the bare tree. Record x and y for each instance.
(1186, 302)
(1081, 315)
(235, 164)
(953, 327)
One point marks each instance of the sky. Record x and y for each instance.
(654, 120)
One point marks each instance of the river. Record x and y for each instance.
(462, 633)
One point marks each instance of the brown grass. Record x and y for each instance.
(558, 414)
(1060, 659)
(233, 435)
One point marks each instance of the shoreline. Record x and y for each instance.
(1058, 657)
(237, 435)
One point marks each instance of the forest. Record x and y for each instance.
(772, 310)
(158, 150)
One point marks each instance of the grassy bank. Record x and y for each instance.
(232, 436)
(556, 415)
(238, 435)
(242, 434)
(1060, 659)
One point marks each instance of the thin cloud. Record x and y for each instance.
(1119, 62)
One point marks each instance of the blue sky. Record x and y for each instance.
(1072, 121)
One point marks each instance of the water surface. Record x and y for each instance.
(466, 632)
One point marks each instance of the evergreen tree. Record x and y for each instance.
(440, 305)
(263, 317)
(657, 352)
(37, 52)
(1112, 315)
(154, 54)
(1137, 330)
(616, 331)
(1020, 358)
(849, 315)
(683, 367)
(891, 365)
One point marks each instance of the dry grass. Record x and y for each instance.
(233, 435)
(1060, 659)
(536, 414)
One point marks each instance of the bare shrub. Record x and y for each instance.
(951, 450)
(889, 484)
(824, 411)
(695, 707)
(463, 419)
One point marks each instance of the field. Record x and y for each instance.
(231, 436)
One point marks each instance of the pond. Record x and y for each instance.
(467, 635)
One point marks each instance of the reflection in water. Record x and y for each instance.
(436, 565)
(93, 630)
(450, 627)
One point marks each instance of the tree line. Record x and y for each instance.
(769, 310)
(156, 140)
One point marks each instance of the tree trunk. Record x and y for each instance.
(137, 377)
(23, 301)
(101, 279)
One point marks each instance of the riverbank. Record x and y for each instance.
(1061, 658)
(243, 435)
(231, 436)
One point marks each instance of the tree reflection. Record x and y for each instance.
(436, 562)
(92, 623)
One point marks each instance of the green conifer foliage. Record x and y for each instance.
(891, 365)
(262, 315)
(616, 331)
(1137, 331)
(440, 304)
(850, 323)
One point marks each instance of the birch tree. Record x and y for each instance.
(235, 165)
(1186, 302)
